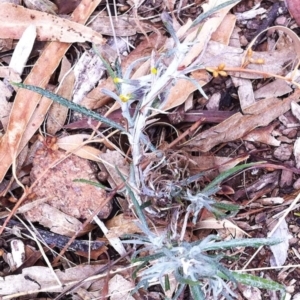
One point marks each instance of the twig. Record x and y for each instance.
(187, 132)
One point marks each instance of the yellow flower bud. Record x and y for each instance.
(222, 73)
(153, 71)
(221, 66)
(118, 80)
(124, 98)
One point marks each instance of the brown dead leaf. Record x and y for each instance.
(119, 288)
(276, 88)
(263, 135)
(245, 91)
(294, 9)
(224, 31)
(87, 71)
(25, 102)
(58, 113)
(213, 223)
(217, 163)
(260, 114)
(112, 160)
(120, 225)
(122, 26)
(15, 19)
(182, 89)
(75, 144)
(201, 38)
(13, 285)
(54, 219)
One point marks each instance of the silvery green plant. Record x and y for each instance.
(195, 265)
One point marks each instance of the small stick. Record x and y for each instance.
(190, 130)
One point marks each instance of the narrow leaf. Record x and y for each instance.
(70, 105)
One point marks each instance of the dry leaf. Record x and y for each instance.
(224, 31)
(280, 251)
(260, 114)
(295, 108)
(114, 240)
(5, 106)
(245, 91)
(88, 70)
(23, 49)
(217, 164)
(17, 252)
(213, 223)
(54, 219)
(263, 135)
(112, 160)
(42, 278)
(122, 26)
(15, 19)
(58, 113)
(75, 144)
(294, 9)
(119, 288)
(297, 152)
(120, 225)
(276, 88)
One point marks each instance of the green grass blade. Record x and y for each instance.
(197, 292)
(255, 281)
(254, 242)
(226, 174)
(96, 184)
(207, 14)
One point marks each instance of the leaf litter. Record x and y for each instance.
(163, 172)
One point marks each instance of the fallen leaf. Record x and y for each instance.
(120, 225)
(225, 29)
(294, 9)
(276, 88)
(23, 49)
(259, 114)
(75, 144)
(263, 135)
(15, 19)
(280, 251)
(58, 113)
(42, 278)
(112, 160)
(87, 71)
(119, 288)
